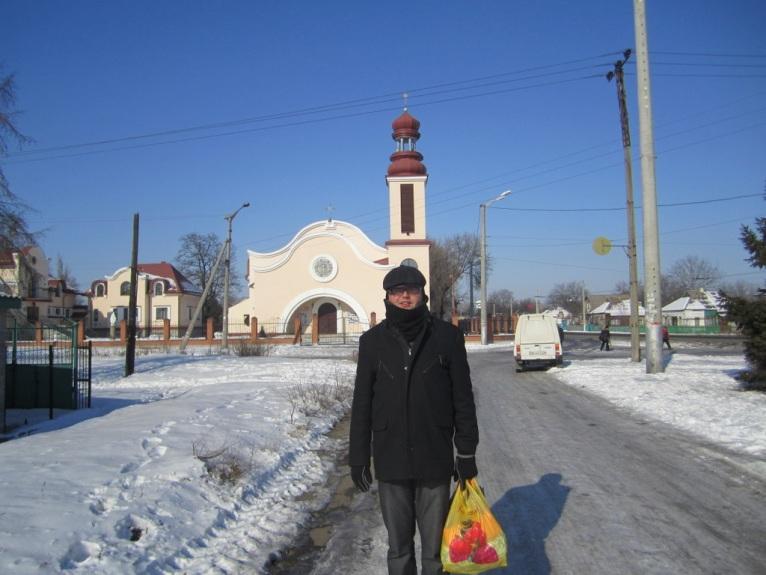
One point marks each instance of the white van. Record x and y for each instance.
(537, 341)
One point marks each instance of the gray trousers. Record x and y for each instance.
(403, 503)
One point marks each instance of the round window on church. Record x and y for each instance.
(323, 268)
(410, 263)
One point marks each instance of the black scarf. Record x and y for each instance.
(408, 322)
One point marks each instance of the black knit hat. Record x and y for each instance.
(404, 276)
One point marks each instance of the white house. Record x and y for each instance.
(690, 312)
(615, 313)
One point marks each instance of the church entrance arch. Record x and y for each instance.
(328, 318)
(332, 315)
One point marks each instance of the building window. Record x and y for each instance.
(100, 290)
(125, 288)
(408, 208)
(161, 313)
(189, 309)
(95, 316)
(158, 288)
(323, 268)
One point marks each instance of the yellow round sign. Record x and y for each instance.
(602, 245)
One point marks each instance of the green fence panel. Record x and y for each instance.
(28, 387)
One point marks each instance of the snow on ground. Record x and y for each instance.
(202, 463)
(698, 394)
(123, 487)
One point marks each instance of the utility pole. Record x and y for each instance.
(226, 273)
(617, 74)
(483, 210)
(470, 288)
(653, 304)
(130, 348)
(483, 270)
(584, 318)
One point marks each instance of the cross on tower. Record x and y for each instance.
(405, 95)
(330, 210)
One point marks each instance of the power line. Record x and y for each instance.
(427, 91)
(660, 205)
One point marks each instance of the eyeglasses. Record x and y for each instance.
(400, 290)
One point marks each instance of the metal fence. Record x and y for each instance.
(349, 334)
(45, 368)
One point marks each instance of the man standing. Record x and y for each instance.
(413, 406)
(604, 337)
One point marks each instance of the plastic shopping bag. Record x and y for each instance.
(473, 541)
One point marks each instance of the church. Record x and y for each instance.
(328, 278)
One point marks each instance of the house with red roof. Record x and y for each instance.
(164, 293)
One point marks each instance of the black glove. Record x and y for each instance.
(465, 469)
(361, 476)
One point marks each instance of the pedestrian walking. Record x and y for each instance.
(413, 415)
(666, 336)
(604, 339)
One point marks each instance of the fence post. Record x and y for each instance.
(209, 332)
(298, 330)
(166, 329)
(50, 381)
(253, 328)
(315, 329)
(38, 332)
(3, 369)
(81, 332)
(123, 331)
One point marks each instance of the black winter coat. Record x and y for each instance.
(412, 405)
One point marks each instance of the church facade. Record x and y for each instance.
(328, 278)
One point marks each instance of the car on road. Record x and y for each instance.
(537, 342)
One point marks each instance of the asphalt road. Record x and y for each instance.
(579, 487)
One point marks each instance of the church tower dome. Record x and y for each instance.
(408, 243)
(406, 161)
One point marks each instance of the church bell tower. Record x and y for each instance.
(406, 181)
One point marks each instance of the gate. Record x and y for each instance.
(351, 330)
(45, 368)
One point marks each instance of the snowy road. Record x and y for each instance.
(612, 494)
(583, 487)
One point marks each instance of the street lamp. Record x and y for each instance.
(227, 271)
(483, 210)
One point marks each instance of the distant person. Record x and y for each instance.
(666, 336)
(413, 408)
(604, 339)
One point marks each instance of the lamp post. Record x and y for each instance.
(227, 271)
(483, 210)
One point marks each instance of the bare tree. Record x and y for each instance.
(14, 232)
(500, 301)
(567, 296)
(526, 305)
(688, 274)
(196, 259)
(739, 289)
(451, 260)
(64, 273)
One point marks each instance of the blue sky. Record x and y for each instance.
(200, 106)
